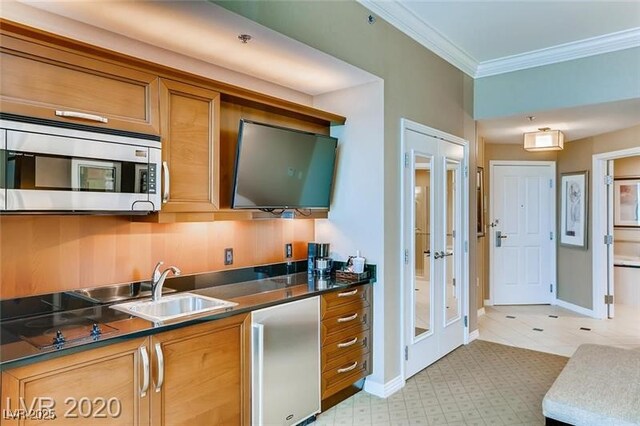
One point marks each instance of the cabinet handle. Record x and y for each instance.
(160, 359)
(349, 368)
(349, 343)
(145, 371)
(348, 293)
(165, 193)
(82, 116)
(347, 319)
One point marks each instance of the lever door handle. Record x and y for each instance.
(499, 238)
(502, 236)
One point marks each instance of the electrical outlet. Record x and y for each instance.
(288, 250)
(228, 256)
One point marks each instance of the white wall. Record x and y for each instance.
(356, 217)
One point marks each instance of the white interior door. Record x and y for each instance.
(433, 233)
(522, 238)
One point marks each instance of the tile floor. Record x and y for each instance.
(562, 331)
(482, 383)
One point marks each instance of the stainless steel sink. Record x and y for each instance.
(116, 293)
(173, 307)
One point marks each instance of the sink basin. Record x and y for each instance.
(173, 307)
(115, 293)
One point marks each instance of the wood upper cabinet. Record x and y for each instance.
(190, 147)
(201, 374)
(39, 80)
(102, 387)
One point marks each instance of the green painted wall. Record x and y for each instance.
(418, 85)
(603, 78)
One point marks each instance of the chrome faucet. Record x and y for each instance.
(157, 280)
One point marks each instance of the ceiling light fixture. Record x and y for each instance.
(244, 38)
(544, 140)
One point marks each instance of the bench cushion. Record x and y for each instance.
(600, 385)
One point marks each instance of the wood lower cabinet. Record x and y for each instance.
(101, 386)
(205, 376)
(39, 80)
(190, 147)
(196, 375)
(346, 339)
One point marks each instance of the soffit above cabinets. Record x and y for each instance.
(209, 33)
(485, 38)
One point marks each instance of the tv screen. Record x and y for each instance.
(279, 168)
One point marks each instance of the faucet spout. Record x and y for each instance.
(157, 283)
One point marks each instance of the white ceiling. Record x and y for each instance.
(492, 37)
(209, 33)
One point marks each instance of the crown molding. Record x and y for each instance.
(395, 13)
(563, 52)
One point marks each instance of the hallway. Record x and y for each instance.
(556, 330)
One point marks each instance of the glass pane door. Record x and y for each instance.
(423, 274)
(452, 252)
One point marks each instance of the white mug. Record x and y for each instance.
(358, 265)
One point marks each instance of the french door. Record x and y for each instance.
(434, 232)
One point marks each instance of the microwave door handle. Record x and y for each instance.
(166, 183)
(82, 116)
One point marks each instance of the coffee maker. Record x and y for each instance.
(318, 261)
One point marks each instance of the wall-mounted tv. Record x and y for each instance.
(280, 168)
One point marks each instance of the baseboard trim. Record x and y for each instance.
(384, 390)
(575, 308)
(481, 312)
(474, 335)
(488, 302)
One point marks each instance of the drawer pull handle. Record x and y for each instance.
(349, 368)
(82, 115)
(348, 293)
(349, 343)
(347, 319)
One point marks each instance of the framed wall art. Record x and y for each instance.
(626, 202)
(574, 189)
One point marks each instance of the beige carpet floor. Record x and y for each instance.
(483, 383)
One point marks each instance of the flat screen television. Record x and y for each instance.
(280, 168)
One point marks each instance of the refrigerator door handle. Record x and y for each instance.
(258, 371)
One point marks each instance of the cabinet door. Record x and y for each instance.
(190, 147)
(201, 374)
(101, 386)
(46, 82)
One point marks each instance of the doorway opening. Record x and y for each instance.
(616, 233)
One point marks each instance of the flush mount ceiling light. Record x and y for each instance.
(244, 38)
(544, 140)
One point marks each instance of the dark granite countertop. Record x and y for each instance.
(18, 315)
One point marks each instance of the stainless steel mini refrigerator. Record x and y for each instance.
(286, 363)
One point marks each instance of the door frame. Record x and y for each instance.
(599, 228)
(553, 218)
(406, 124)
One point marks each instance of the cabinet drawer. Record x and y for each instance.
(341, 297)
(354, 321)
(344, 371)
(41, 81)
(344, 343)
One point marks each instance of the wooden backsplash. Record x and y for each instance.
(44, 254)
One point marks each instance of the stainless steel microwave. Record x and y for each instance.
(48, 166)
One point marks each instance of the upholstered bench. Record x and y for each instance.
(599, 386)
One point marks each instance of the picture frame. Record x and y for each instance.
(574, 202)
(626, 202)
(480, 202)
